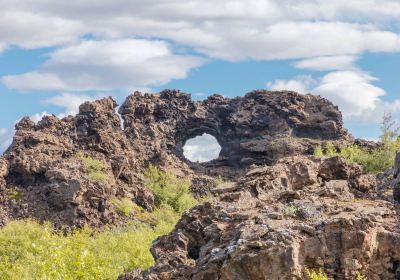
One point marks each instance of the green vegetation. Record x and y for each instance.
(373, 161)
(29, 250)
(16, 195)
(321, 275)
(316, 274)
(291, 210)
(359, 276)
(95, 168)
(124, 206)
(169, 189)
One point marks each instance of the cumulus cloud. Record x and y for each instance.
(301, 84)
(106, 65)
(326, 63)
(352, 91)
(30, 30)
(70, 102)
(201, 148)
(233, 30)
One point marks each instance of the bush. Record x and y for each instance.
(169, 190)
(29, 250)
(124, 206)
(94, 167)
(374, 161)
(359, 276)
(291, 210)
(316, 275)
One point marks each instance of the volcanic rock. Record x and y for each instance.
(280, 219)
(46, 179)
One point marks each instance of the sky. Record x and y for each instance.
(54, 55)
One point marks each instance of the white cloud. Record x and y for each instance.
(106, 65)
(29, 30)
(38, 116)
(301, 84)
(352, 91)
(325, 63)
(34, 80)
(287, 40)
(5, 139)
(201, 148)
(227, 29)
(70, 102)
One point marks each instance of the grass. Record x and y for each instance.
(375, 161)
(94, 167)
(29, 250)
(33, 251)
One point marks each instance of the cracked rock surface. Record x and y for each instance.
(276, 220)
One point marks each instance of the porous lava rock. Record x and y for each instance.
(259, 128)
(48, 181)
(277, 220)
(42, 177)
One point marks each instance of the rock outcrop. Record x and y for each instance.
(46, 180)
(259, 128)
(277, 220)
(279, 210)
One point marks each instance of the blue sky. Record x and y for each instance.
(54, 56)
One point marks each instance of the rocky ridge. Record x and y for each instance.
(279, 210)
(41, 176)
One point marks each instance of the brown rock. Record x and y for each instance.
(341, 236)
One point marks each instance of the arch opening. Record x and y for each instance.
(201, 148)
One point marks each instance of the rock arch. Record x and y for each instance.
(259, 128)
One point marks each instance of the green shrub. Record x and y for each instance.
(374, 161)
(359, 276)
(169, 189)
(124, 206)
(29, 250)
(94, 167)
(16, 195)
(291, 210)
(319, 152)
(316, 274)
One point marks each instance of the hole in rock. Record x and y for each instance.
(201, 148)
